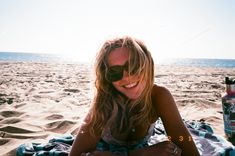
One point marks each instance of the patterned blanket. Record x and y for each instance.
(208, 143)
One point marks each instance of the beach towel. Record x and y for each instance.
(207, 142)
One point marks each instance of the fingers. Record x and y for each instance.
(97, 153)
(87, 154)
(175, 150)
(170, 148)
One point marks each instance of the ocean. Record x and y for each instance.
(34, 57)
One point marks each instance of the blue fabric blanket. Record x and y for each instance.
(208, 143)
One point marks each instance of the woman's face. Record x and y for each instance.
(129, 85)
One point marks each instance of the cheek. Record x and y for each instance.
(116, 85)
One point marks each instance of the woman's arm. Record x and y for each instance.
(172, 121)
(84, 141)
(165, 148)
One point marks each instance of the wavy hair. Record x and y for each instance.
(110, 107)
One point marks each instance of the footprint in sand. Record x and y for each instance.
(11, 113)
(11, 120)
(59, 126)
(54, 117)
(72, 90)
(3, 140)
(16, 129)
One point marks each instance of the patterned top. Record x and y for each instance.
(107, 137)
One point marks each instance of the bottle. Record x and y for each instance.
(228, 104)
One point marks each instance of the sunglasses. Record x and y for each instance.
(115, 73)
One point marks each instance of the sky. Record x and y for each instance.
(77, 28)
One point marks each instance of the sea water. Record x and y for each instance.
(196, 62)
(34, 57)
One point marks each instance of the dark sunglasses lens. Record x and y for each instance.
(115, 77)
(115, 73)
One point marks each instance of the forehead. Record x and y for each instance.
(118, 56)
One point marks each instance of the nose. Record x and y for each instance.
(126, 76)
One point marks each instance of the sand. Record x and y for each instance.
(42, 100)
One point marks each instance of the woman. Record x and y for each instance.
(126, 106)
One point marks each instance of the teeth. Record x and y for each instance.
(130, 85)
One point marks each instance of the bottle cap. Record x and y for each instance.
(229, 81)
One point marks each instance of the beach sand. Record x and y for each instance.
(42, 100)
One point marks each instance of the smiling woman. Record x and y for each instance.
(127, 105)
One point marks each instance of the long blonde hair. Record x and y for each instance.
(110, 108)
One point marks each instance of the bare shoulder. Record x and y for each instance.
(160, 91)
(162, 99)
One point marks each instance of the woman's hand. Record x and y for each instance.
(99, 153)
(165, 148)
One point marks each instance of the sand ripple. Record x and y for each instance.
(10, 113)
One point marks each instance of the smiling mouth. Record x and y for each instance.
(131, 85)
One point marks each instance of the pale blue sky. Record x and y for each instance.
(170, 28)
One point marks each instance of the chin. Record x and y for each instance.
(133, 96)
